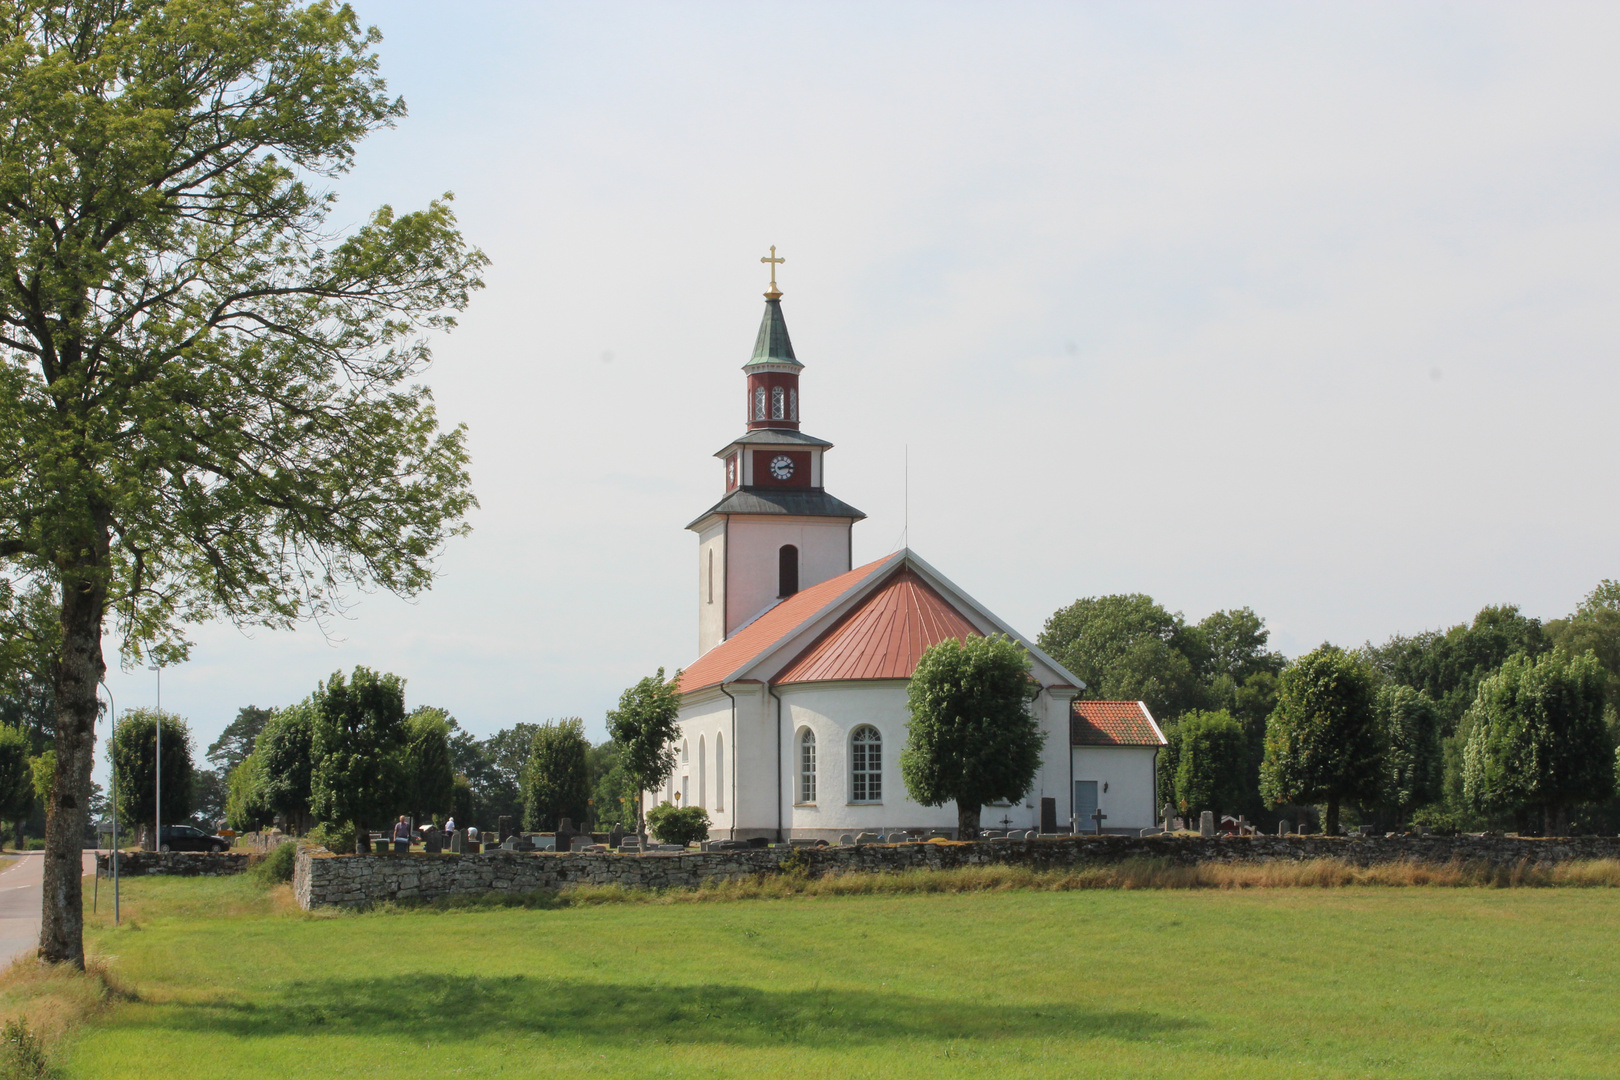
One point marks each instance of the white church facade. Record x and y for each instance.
(794, 713)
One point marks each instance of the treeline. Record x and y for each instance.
(350, 757)
(1503, 722)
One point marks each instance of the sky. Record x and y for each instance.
(1305, 308)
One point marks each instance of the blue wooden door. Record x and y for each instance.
(1085, 804)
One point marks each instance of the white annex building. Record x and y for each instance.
(793, 716)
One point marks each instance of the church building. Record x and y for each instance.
(794, 713)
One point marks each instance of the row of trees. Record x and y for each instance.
(1481, 725)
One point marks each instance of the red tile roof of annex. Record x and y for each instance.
(767, 631)
(1112, 723)
(884, 636)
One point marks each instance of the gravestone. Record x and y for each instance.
(845, 840)
(1165, 813)
(566, 834)
(457, 840)
(433, 841)
(616, 837)
(1097, 818)
(896, 838)
(868, 838)
(1206, 823)
(1282, 827)
(629, 845)
(1048, 814)
(580, 843)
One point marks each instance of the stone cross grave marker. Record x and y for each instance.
(1098, 817)
(1206, 823)
(1165, 813)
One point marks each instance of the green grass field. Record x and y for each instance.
(1297, 983)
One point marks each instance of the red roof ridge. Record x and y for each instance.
(1112, 723)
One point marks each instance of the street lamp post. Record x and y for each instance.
(157, 765)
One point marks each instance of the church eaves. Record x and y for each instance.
(773, 346)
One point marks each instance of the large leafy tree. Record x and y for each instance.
(245, 805)
(236, 741)
(556, 780)
(1411, 738)
(644, 727)
(1128, 647)
(1538, 740)
(1449, 665)
(358, 777)
(1595, 628)
(16, 778)
(284, 754)
(204, 399)
(1212, 764)
(972, 738)
(427, 771)
(135, 751)
(613, 792)
(1322, 742)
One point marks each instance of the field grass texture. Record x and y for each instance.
(225, 977)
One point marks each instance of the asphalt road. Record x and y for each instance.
(22, 892)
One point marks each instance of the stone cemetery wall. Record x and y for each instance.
(263, 842)
(174, 863)
(322, 879)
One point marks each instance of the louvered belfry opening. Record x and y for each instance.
(787, 571)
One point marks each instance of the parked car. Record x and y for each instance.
(188, 838)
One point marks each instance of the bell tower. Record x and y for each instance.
(776, 530)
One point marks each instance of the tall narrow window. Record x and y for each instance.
(719, 772)
(793, 404)
(787, 570)
(807, 766)
(778, 403)
(866, 766)
(711, 575)
(703, 776)
(686, 754)
(759, 403)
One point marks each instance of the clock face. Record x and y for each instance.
(782, 467)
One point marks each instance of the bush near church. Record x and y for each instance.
(678, 824)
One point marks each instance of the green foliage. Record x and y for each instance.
(134, 752)
(1211, 764)
(333, 837)
(359, 725)
(556, 780)
(1539, 740)
(210, 797)
(43, 767)
(237, 740)
(428, 776)
(1595, 628)
(645, 729)
(493, 768)
(285, 751)
(678, 824)
(613, 792)
(277, 866)
(1412, 764)
(1449, 665)
(22, 1053)
(16, 775)
(1128, 647)
(972, 738)
(246, 808)
(1322, 742)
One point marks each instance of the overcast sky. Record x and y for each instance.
(1310, 308)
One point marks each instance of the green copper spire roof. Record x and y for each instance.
(772, 346)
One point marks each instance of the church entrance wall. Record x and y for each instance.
(1120, 780)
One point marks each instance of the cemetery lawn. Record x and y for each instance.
(231, 980)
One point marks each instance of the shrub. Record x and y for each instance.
(678, 824)
(22, 1055)
(277, 867)
(338, 839)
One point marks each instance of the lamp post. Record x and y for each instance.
(157, 765)
(112, 730)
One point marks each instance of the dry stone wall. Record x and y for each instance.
(322, 879)
(174, 863)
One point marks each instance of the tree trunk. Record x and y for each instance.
(967, 822)
(77, 669)
(1331, 825)
(20, 839)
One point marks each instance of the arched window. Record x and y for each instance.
(787, 570)
(866, 765)
(759, 403)
(793, 404)
(703, 776)
(719, 772)
(778, 403)
(807, 766)
(685, 752)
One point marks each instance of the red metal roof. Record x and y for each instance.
(884, 636)
(765, 632)
(1112, 723)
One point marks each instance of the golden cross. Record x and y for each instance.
(773, 260)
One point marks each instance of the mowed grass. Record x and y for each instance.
(1361, 981)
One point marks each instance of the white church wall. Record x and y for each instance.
(1052, 781)
(833, 711)
(751, 575)
(1128, 773)
(711, 586)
